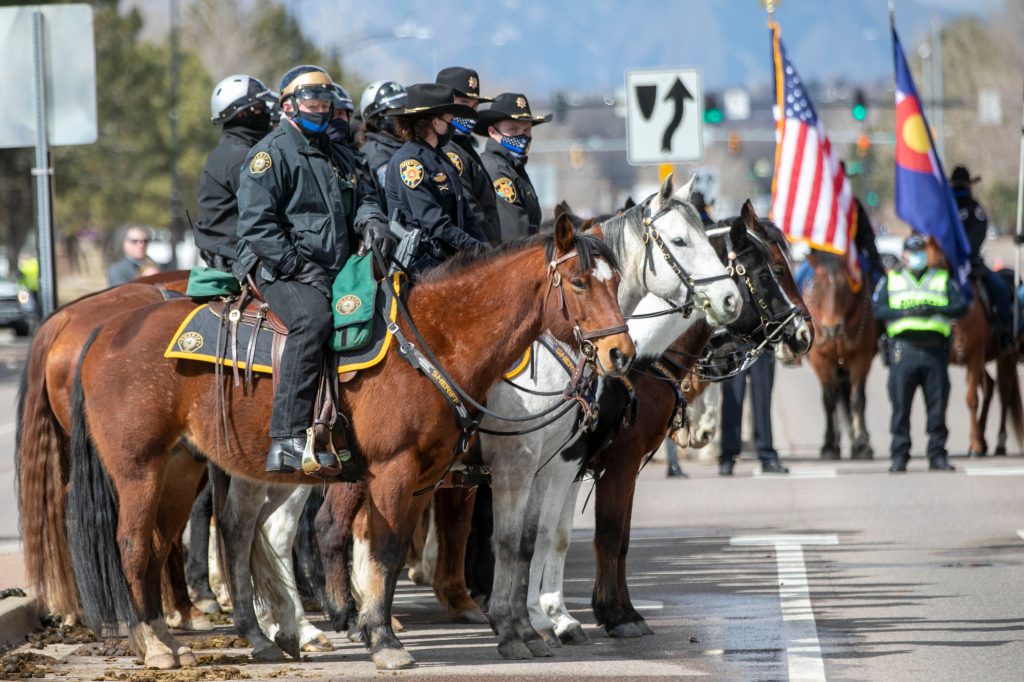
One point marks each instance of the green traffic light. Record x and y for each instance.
(871, 199)
(859, 111)
(713, 116)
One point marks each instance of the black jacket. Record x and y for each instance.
(378, 150)
(477, 189)
(294, 205)
(368, 202)
(972, 215)
(217, 229)
(423, 187)
(518, 207)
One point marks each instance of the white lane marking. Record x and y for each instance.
(988, 471)
(803, 651)
(603, 271)
(10, 547)
(799, 473)
(8, 429)
(1020, 534)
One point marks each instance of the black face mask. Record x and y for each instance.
(340, 131)
(387, 125)
(444, 139)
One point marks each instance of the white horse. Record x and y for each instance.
(526, 479)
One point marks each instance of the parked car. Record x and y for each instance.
(17, 308)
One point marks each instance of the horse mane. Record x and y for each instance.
(588, 247)
(614, 226)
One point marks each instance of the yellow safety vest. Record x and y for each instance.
(907, 292)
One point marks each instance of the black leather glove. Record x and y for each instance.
(377, 233)
(315, 276)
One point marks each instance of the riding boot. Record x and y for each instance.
(285, 455)
(773, 466)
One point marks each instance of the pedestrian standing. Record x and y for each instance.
(762, 378)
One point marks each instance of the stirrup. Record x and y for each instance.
(323, 464)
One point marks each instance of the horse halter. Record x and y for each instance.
(690, 281)
(583, 338)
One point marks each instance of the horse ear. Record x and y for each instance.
(749, 216)
(684, 192)
(562, 207)
(666, 190)
(629, 203)
(738, 231)
(564, 234)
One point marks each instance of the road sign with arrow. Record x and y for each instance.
(663, 116)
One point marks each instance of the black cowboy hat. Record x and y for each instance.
(962, 177)
(432, 99)
(465, 82)
(508, 106)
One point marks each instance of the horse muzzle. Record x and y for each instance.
(614, 355)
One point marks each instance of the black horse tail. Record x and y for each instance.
(92, 510)
(309, 565)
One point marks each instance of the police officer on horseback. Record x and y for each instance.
(297, 216)
(918, 305)
(380, 99)
(476, 183)
(975, 222)
(423, 187)
(508, 126)
(241, 105)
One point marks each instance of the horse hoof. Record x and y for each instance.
(549, 637)
(187, 659)
(862, 453)
(418, 577)
(624, 631)
(514, 650)
(977, 453)
(393, 659)
(473, 616)
(539, 648)
(319, 644)
(1000, 451)
(643, 627)
(289, 645)
(268, 654)
(164, 661)
(197, 622)
(829, 453)
(574, 634)
(208, 606)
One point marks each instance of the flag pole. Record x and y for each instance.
(1019, 237)
(769, 6)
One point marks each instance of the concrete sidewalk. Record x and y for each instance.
(19, 616)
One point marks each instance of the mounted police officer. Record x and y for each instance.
(423, 187)
(241, 105)
(918, 305)
(380, 99)
(975, 222)
(508, 126)
(477, 189)
(296, 223)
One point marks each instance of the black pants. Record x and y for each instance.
(911, 366)
(307, 314)
(762, 378)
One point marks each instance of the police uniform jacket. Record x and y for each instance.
(885, 313)
(378, 150)
(477, 189)
(972, 215)
(353, 167)
(518, 207)
(423, 187)
(294, 205)
(217, 230)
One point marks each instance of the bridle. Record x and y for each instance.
(583, 338)
(652, 238)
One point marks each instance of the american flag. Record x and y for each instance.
(812, 200)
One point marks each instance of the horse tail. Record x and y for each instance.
(41, 474)
(271, 582)
(309, 565)
(1010, 394)
(92, 515)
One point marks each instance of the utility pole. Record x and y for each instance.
(938, 91)
(176, 226)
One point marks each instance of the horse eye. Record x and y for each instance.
(679, 241)
(578, 284)
(778, 271)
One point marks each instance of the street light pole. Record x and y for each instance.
(177, 229)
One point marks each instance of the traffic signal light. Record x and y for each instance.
(863, 145)
(859, 109)
(712, 110)
(734, 143)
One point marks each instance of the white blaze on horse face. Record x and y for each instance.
(603, 271)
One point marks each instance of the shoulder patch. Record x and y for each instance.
(260, 163)
(979, 213)
(411, 171)
(504, 188)
(456, 161)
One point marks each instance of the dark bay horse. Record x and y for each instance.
(846, 343)
(478, 313)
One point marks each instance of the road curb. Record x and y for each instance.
(19, 616)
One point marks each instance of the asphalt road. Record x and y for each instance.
(840, 571)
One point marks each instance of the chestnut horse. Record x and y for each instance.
(43, 439)
(478, 313)
(847, 340)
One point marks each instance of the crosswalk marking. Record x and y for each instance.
(990, 471)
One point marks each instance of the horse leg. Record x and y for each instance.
(392, 512)
(197, 568)
(611, 508)
(861, 439)
(567, 628)
(416, 550)
(334, 538)
(479, 555)
(521, 617)
(975, 367)
(453, 514)
(180, 612)
(988, 386)
(549, 480)
(237, 525)
(829, 398)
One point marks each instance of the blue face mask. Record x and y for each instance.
(519, 145)
(463, 125)
(917, 260)
(313, 124)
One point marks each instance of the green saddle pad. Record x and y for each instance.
(353, 294)
(211, 283)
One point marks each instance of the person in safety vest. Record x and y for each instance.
(918, 305)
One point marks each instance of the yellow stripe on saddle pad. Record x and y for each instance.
(521, 366)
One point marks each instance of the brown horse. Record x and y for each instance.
(478, 313)
(847, 338)
(43, 438)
